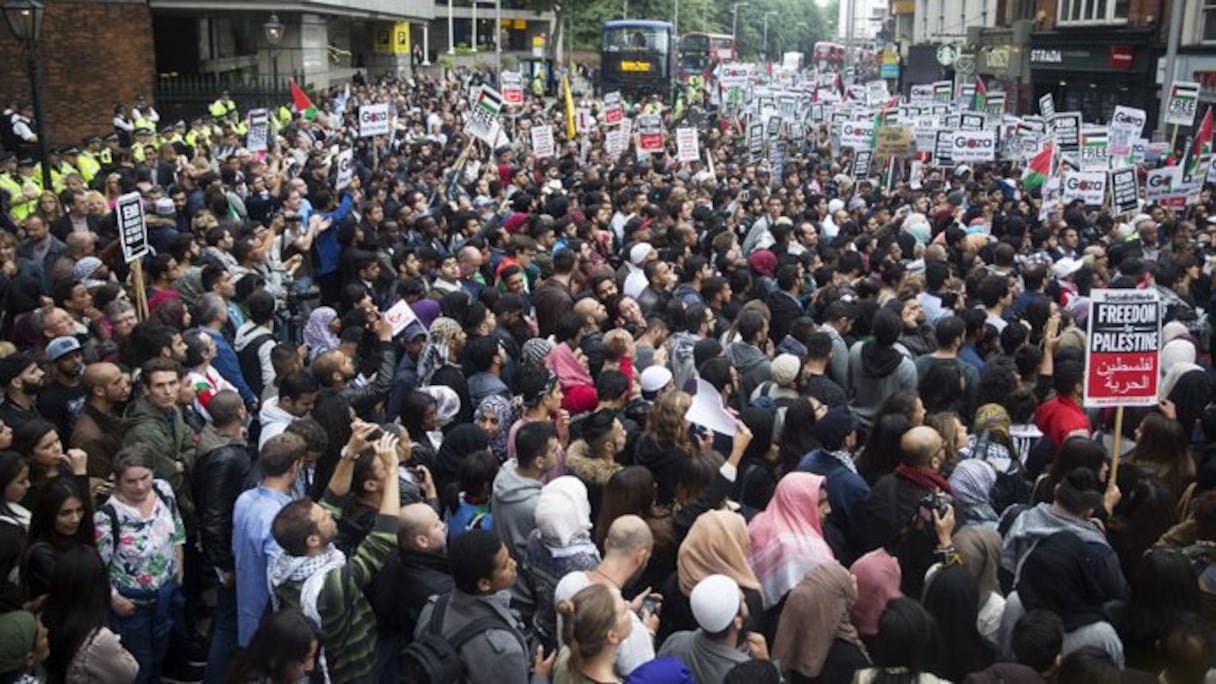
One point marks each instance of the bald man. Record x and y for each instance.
(416, 572)
(98, 429)
(627, 550)
(898, 515)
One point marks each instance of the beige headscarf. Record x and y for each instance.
(980, 549)
(716, 545)
(816, 614)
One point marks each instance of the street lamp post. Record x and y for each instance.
(766, 16)
(273, 30)
(734, 23)
(24, 19)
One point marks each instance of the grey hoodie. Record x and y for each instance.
(1034, 524)
(514, 505)
(753, 366)
(683, 363)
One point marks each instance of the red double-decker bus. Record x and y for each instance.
(699, 52)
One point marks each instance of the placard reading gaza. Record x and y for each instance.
(973, 146)
(1122, 355)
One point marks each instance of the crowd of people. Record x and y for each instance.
(639, 420)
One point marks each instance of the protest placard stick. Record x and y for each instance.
(141, 294)
(1113, 476)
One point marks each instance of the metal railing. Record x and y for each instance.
(187, 96)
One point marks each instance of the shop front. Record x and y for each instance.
(1092, 72)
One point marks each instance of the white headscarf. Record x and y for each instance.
(563, 511)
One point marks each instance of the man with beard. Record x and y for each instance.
(697, 325)
(98, 430)
(339, 398)
(22, 381)
(62, 398)
(917, 335)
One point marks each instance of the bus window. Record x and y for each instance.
(635, 39)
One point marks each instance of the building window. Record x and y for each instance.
(1209, 21)
(1093, 12)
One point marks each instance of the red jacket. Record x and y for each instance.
(1058, 417)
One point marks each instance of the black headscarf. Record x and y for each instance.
(1056, 577)
(457, 445)
(1191, 394)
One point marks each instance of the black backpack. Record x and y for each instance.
(433, 659)
(251, 363)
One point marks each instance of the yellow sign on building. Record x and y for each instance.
(392, 39)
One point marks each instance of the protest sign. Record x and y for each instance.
(1125, 190)
(259, 130)
(1094, 151)
(862, 161)
(1126, 125)
(971, 122)
(1087, 186)
(399, 316)
(857, 134)
(943, 149)
(542, 141)
(132, 227)
(482, 119)
(688, 146)
(921, 93)
(373, 120)
(512, 86)
(1183, 103)
(755, 141)
(612, 108)
(1047, 106)
(943, 91)
(346, 169)
(650, 133)
(706, 410)
(1067, 127)
(973, 146)
(1159, 184)
(1122, 351)
(892, 141)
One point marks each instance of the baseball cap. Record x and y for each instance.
(1066, 267)
(714, 602)
(61, 347)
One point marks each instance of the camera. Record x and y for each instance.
(936, 501)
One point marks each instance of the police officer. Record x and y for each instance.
(222, 106)
(26, 202)
(88, 161)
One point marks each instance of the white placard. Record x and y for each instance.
(1159, 184)
(400, 315)
(706, 410)
(1183, 104)
(346, 168)
(688, 146)
(973, 146)
(482, 118)
(373, 120)
(1087, 186)
(542, 142)
(857, 134)
(259, 130)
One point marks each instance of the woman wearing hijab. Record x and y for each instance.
(787, 538)
(440, 363)
(1056, 576)
(878, 576)
(457, 445)
(495, 416)
(717, 544)
(877, 369)
(816, 640)
(560, 544)
(979, 548)
(1191, 390)
(972, 482)
(571, 369)
(952, 599)
(319, 333)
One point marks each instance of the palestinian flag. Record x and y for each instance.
(1193, 163)
(1038, 168)
(979, 101)
(301, 103)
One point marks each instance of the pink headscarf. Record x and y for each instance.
(878, 577)
(565, 365)
(763, 262)
(787, 538)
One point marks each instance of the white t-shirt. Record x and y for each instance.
(637, 649)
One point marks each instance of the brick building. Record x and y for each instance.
(93, 54)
